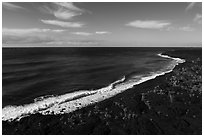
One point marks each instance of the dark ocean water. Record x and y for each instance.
(28, 73)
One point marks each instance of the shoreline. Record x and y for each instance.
(132, 103)
(85, 97)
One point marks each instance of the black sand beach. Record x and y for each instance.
(168, 104)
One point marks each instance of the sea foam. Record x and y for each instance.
(73, 101)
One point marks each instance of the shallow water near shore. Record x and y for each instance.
(61, 80)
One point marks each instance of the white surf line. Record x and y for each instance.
(176, 59)
(58, 105)
(14, 112)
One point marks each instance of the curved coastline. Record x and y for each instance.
(73, 101)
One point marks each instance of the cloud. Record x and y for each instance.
(102, 32)
(63, 10)
(196, 5)
(26, 39)
(89, 34)
(186, 28)
(31, 35)
(34, 39)
(183, 28)
(69, 6)
(58, 30)
(11, 6)
(149, 24)
(64, 14)
(170, 28)
(29, 31)
(63, 23)
(43, 37)
(198, 18)
(193, 5)
(75, 43)
(190, 6)
(82, 33)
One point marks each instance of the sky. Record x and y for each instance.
(101, 24)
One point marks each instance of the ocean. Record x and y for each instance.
(61, 80)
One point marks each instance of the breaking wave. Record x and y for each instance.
(73, 101)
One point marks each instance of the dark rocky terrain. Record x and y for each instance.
(169, 104)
